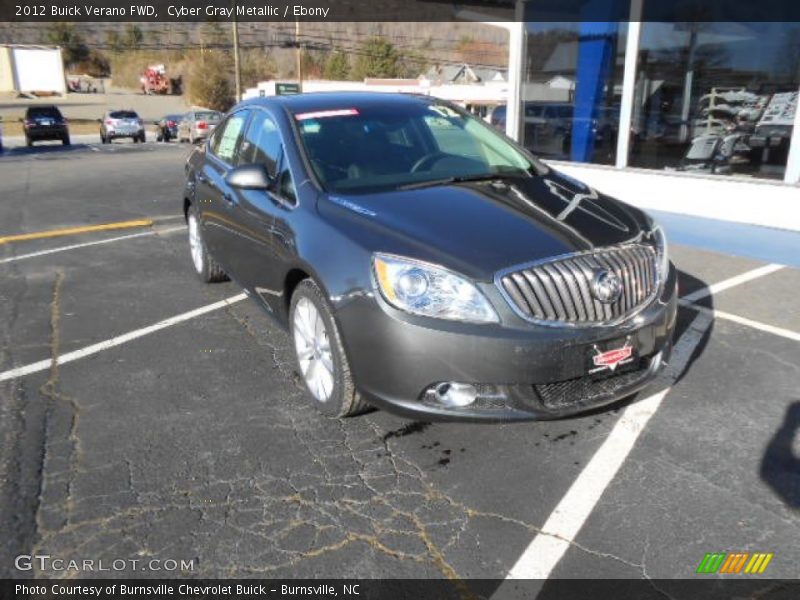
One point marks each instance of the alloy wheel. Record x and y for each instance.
(313, 349)
(195, 244)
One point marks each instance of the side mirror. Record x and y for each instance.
(249, 177)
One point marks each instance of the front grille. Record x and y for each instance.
(586, 390)
(560, 290)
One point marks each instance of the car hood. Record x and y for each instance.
(479, 228)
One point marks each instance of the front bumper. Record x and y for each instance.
(522, 370)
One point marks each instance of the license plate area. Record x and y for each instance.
(611, 357)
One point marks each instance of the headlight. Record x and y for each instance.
(660, 240)
(424, 289)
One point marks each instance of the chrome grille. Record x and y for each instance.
(560, 290)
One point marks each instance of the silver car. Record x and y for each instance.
(197, 125)
(121, 123)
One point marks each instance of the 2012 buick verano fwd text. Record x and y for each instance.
(425, 263)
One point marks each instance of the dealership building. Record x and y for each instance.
(692, 116)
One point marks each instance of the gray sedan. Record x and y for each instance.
(197, 125)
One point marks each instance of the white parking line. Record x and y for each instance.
(766, 327)
(547, 548)
(545, 551)
(69, 357)
(732, 282)
(95, 243)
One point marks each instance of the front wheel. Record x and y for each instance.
(320, 355)
(206, 267)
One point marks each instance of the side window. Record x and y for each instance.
(227, 138)
(261, 143)
(286, 185)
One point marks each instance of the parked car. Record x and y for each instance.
(167, 127)
(122, 124)
(196, 125)
(498, 117)
(45, 123)
(424, 263)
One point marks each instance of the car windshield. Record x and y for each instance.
(370, 149)
(207, 116)
(123, 114)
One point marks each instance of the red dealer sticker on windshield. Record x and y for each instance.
(322, 114)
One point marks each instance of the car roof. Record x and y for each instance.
(337, 100)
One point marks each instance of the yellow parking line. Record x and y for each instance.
(37, 235)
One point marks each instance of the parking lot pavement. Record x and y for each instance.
(192, 440)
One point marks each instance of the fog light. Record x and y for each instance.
(456, 394)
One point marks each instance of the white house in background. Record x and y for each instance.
(559, 82)
(31, 69)
(464, 73)
(475, 95)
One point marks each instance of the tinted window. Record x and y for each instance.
(207, 116)
(227, 137)
(286, 185)
(123, 114)
(382, 147)
(44, 111)
(262, 143)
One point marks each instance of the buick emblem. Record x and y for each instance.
(606, 287)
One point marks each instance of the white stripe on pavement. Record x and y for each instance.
(547, 548)
(732, 282)
(545, 551)
(69, 357)
(718, 314)
(95, 243)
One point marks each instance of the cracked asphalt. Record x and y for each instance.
(197, 443)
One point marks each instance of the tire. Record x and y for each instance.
(29, 142)
(65, 140)
(339, 397)
(142, 138)
(159, 137)
(205, 267)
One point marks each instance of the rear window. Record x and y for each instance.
(44, 111)
(123, 114)
(208, 116)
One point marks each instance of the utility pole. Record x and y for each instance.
(298, 54)
(237, 65)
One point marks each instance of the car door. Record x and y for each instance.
(214, 196)
(257, 212)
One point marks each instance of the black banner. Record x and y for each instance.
(285, 11)
(711, 588)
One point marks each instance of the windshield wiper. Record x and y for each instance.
(448, 180)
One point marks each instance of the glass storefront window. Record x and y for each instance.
(715, 97)
(572, 85)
